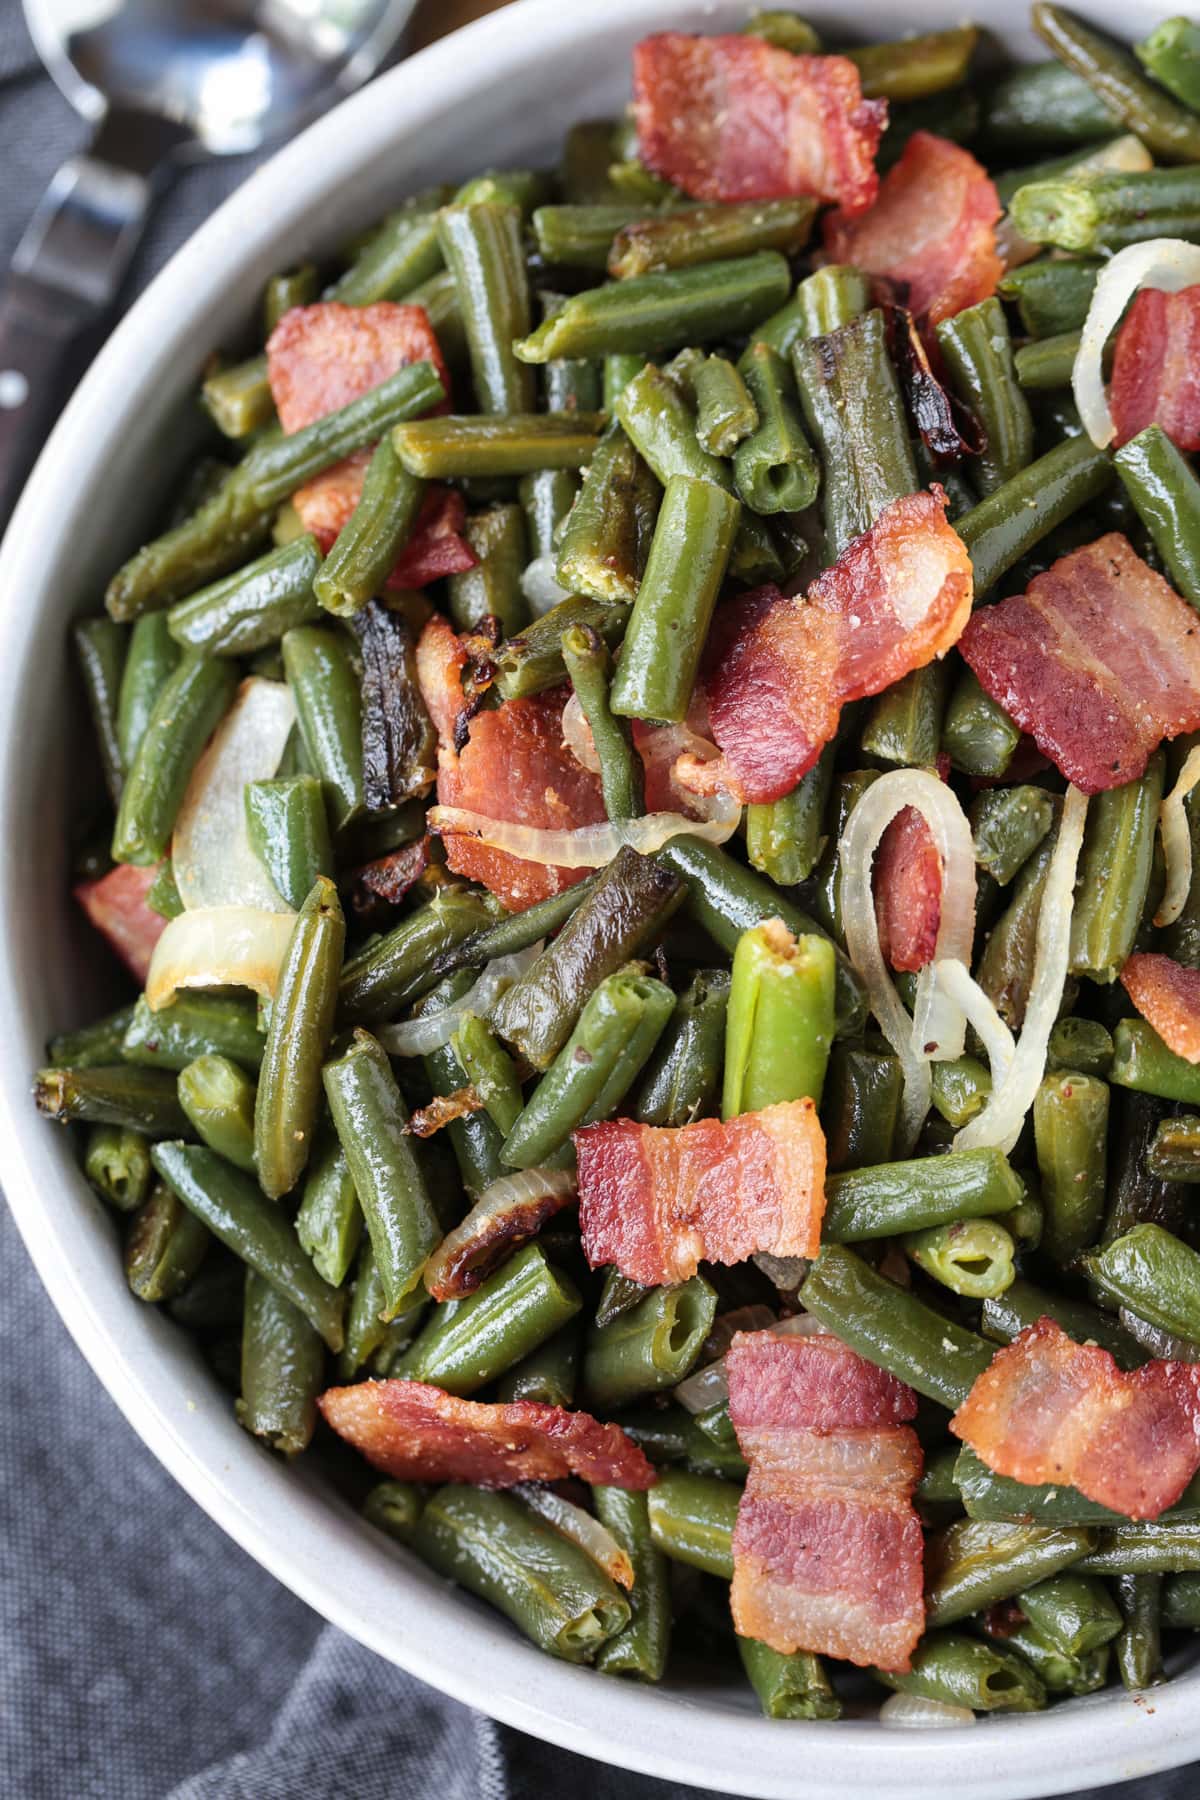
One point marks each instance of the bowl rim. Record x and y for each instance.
(321, 1552)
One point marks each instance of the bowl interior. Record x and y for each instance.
(502, 92)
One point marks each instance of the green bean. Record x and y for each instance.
(961, 1671)
(914, 67)
(619, 371)
(976, 1562)
(396, 258)
(474, 1137)
(370, 1117)
(193, 1025)
(978, 351)
(1007, 826)
(589, 666)
(468, 1343)
(532, 662)
(329, 711)
(788, 1687)
(725, 412)
(1075, 1675)
(1139, 1646)
(1174, 1154)
(189, 706)
(248, 610)
(780, 1019)
(960, 1091)
(218, 1098)
(546, 1585)
(367, 546)
(92, 1046)
(439, 298)
(1135, 1196)
(953, 114)
(905, 723)
(238, 399)
(1181, 1602)
(403, 964)
(784, 838)
(860, 1107)
(1012, 520)
(826, 300)
(548, 1374)
(1082, 1044)
(480, 444)
(1167, 129)
(134, 1099)
(212, 1299)
(1152, 1273)
(973, 1257)
(163, 896)
(681, 237)
(651, 1346)
(594, 1070)
(693, 539)
(891, 1327)
(580, 236)
(289, 1085)
(1070, 1122)
(1024, 1304)
(511, 932)
(369, 1338)
(587, 152)
(692, 1519)
(1044, 103)
(650, 313)
(117, 1163)
(234, 1210)
(283, 1369)
(1004, 970)
(490, 1071)
(1114, 874)
(165, 1247)
(786, 30)
(682, 1079)
(329, 1222)
(1166, 493)
(483, 251)
(1074, 1612)
(101, 651)
(1051, 295)
(855, 416)
(988, 1496)
(290, 833)
(911, 1196)
(630, 903)
(394, 1507)
(1171, 54)
(617, 1295)
(1048, 362)
(1164, 1547)
(291, 287)
(641, 1649)
(492, 589)
(774, 468)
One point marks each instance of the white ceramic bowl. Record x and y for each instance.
(501, 91)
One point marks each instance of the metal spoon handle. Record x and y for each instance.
(65, 276)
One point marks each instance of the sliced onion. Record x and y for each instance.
(1177, 841)
(577, 736)
(219, 946)
(540, 585)
(417, 1037)
(210, 851)
(494, 1228)
(756, 1317)
(708, 1387)
(589, 846)
(938, 1021)
(999, 1124)
(581, 1528)
(1120, 156)
(957, 981)
(918, 1714)
(1165, 263)
(785, 1272)
(1158, 1342)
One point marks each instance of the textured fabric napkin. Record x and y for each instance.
(142, 1654)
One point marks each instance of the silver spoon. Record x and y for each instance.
(165, 82)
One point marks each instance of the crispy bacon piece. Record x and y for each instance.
(513, 766)
(827, 1550)
(779, 669)
(442, 1110)
(1047, 1409)
(908, 891)
(1099, 660)
(415, 1432)
(1156, 367)
(437, 546)
(1168, 997)
(382, 884)
(733, 118)
(116, 905)
(931, 231)
(656, 1201)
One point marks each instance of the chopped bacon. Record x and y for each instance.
(778, 669)
(415, 1432)
(1047, 1409)
(657, 1200)
(442, 1110)
(827, 1550)
(383, 883)
(1168, 997)
(931, 231)
(1099, 660)
(734, 118)
(908, 891)
(437, 546)
(116, 905)
(513, 766)
(1156, 367)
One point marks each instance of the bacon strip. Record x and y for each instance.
(116, 905)
(415, 1432)
(1156, 367)
(778, 670)
(1047, 1409)
(734, 118)
(1099, 660)
(656, 1201)
(1168, 997)
(827, 1550)
(514, 766)
(931, 231)
(908, 892)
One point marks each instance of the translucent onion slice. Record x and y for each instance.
(210, 851)
(1120, 156)
(709, 1387)
(504, 1216)
(589, 846)
(581, 1528)
(577, 736)
(219, 946)
(957, 981)
(540, 585)
(999, 1124)
(1166, 263)
(1177, 841)
(918, 1714)
(938, 1028)
(417, 1037)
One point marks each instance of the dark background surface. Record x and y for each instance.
(142, 1654)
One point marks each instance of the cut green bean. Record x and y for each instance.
(1052, 295)
(468, 1343)
(135, 1099)
(329, 1222)
(956, 1670)
(912, 1196)
(976, 1562)
(972, 1257)
(251, 609)
(548, 1374)
(682, 237)
(473, 1137)
(785, 838)
(651, 1346)
(238, 398)
(607, 535)
(152, 660)
(92, 1046)
(725, 412)
(978, 351)
(302, 1011)
(193, 1025)
(641, 1649)
(492, 589)
(682, 1079)
(117, 1163)
(1152, 1273)
(788, 1687)
(490, 1070)
(1082, 1044)
(484, 252)
(329, 711)
(861, 1107)
(189, 706)
(1139, 1646)
(1166, 493)
(1167, 129)
(1070, 1122)
(1181, 1602)
(1017, 516)
(914, 67)
(370, 1338)
(1163, 1547)
(692, 1519)
(218, 1098)
(403, 964)
(1004, 970)
(547, 497)
(622, 779)
(394, 1507)
(290, 834)
(774, 469)
(283, 1369)
(1007, 826)
(1174, 1154)
(1075, 1612)
(1171, 54)
(165, 1247)
(1114, 873)
(1044, 103)
(1048, 362)
(785, 30)
(904, 725)
(367, 546)
(1024, 1304)
(988, 1496)
(581, 236)
(780, 1020)
(479, 444)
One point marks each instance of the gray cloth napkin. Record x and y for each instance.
(142, 1654)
